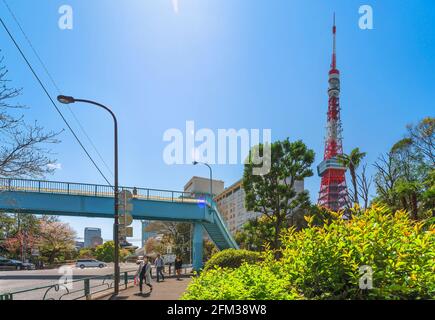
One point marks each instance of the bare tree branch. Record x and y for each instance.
(23, 151)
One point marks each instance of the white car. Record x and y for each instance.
(90, 263)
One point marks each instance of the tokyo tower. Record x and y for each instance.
(333, 190)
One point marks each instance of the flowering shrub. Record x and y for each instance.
(323, 262)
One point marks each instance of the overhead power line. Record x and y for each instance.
(52, 101)
(56, 86)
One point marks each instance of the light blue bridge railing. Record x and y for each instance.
(88, 200)
(94, 190)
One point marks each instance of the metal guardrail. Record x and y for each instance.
(65, 291)
(82, 189)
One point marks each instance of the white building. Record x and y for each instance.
(230, 201)
(231, 204)
(202, 185)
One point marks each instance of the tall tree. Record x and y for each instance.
(176, 234)
(404, 178)
(23, 149)
(352, 161)
(423, 139)
(387, 175)
(55, 238)
(274, 194)
(364, 184)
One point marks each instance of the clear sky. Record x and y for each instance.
(223, 64)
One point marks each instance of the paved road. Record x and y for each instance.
(170, 289)
(13, 281)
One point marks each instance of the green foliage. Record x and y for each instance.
(249, 282)
(405, 175)
(274, 194)
(323, 262)
(232, 258)
(209, 249)
(256, 234)
(86, 253)
(352, 161)
(106, 252)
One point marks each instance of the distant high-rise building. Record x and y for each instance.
(231, 205)
(146, 234)
(79, 245)
(93, 237)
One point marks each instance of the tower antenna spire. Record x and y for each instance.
(334, 51)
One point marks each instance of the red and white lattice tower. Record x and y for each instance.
(333, 190)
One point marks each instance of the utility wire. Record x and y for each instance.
(52, 101)
(56, 86)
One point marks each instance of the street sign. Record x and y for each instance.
(125, 219)
(169, 258)
(125, 232)
(128, 207)
(125, 196)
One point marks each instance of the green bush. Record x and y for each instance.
(323, 262)
(248, 282)
(232, 258)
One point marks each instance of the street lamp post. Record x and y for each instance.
(198, 239)
(211, 176)
(70, 100)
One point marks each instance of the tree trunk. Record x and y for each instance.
(355, 187)
(414, 206)
(276, 241)
(52, 256)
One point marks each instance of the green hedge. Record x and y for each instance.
(323, 262)
(232, 259)
(249, 282)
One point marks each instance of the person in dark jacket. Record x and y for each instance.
(178, 267)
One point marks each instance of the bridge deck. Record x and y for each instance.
(87, 200)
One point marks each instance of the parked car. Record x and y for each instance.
(90, 263)
(10, 264)
(29, 266)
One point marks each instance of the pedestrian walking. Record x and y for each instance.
(178, 267)
(144, 274)
(160, 265)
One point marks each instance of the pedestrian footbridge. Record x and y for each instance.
(97, 201)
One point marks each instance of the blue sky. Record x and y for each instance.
(224, 64)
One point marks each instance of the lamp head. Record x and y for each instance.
(66, 99)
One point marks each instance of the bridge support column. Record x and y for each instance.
(198, 245)
(145, 224)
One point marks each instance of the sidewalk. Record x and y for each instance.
(170, 289)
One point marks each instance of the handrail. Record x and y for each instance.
(223, 224)
(87, 287)
(72, 188)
